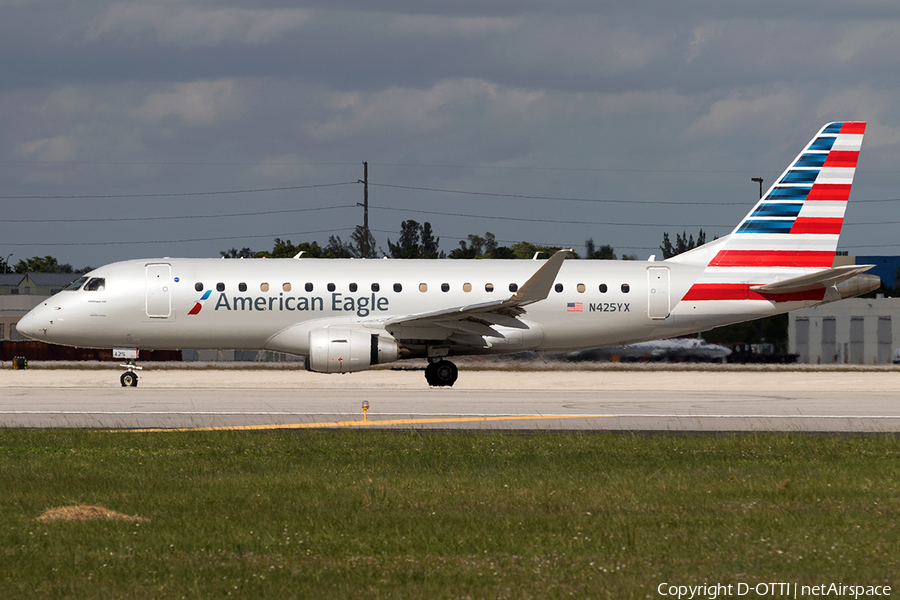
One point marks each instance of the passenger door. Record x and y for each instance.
(658, 292)
(159, 291)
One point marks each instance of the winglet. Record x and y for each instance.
(538, 287)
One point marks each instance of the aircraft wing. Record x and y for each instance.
(827, 278)
(479, 319)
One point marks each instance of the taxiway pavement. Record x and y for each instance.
(641, 400)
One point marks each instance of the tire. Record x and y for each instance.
(129, 379)
(444, 374)
(429, 374)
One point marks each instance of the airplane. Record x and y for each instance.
(681, 349)
(348, 315)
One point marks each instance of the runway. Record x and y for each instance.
(642, 400)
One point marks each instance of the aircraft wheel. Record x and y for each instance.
(429, 373)
(129, 379)
(443, 373)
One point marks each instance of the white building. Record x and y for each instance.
(854, 331)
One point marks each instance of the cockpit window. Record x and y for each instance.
(96, 284)
(75, 284)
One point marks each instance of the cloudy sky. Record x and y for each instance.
(551, 122)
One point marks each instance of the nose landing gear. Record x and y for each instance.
(129, 378)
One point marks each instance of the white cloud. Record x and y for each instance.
(440, 25)
(59, 148)
(198, 102)
(443, 107)
(745, 111)
(199, 26)
(68, 101)
(877, 107)
(287, 167)
(869, 39)
(701, 36)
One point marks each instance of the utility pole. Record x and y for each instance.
(364, 247)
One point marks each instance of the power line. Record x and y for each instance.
(404, 210)
(210, 239)
(123, 219)
(396, 186)
(175, 194)
(580, 222)
(409, 165)
(175, 164)
(567, 199)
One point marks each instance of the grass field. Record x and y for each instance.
(378, 514)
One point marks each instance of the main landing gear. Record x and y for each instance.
(441, 373)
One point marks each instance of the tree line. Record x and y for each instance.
(416, 240)
(40, 264)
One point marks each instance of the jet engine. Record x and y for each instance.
(345, 350)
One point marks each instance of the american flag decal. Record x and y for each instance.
(574, 307)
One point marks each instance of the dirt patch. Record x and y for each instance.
(86, 513)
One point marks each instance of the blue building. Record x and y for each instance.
(885, 267)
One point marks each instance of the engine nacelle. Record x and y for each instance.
(344, 350)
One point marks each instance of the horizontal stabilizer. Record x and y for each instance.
(822, 279)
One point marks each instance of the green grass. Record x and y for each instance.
(377, 514)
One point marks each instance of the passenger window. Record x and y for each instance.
(220, 287)
(331, 287)
(489, 287)
(445, 287)
(603, 288)
(198, 287)
(72, 286)
(467, 287)
(558, 287)
(375, 287)
(513, 287)
(423, 287)
(264, 287)
(96, 284)
(398, 288)
(242, 287)
(626, 288)
(353, 287)
(580, 287)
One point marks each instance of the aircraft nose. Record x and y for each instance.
(35, 323)
(25, 326)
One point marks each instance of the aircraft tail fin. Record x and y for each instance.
(794, 228)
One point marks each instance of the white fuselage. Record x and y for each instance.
(153, 304)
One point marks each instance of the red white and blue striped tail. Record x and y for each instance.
(793, 230)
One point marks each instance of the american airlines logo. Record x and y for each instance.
(199, 303)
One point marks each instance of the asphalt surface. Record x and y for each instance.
(640, 400)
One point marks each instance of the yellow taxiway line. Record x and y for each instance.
(364, 423)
